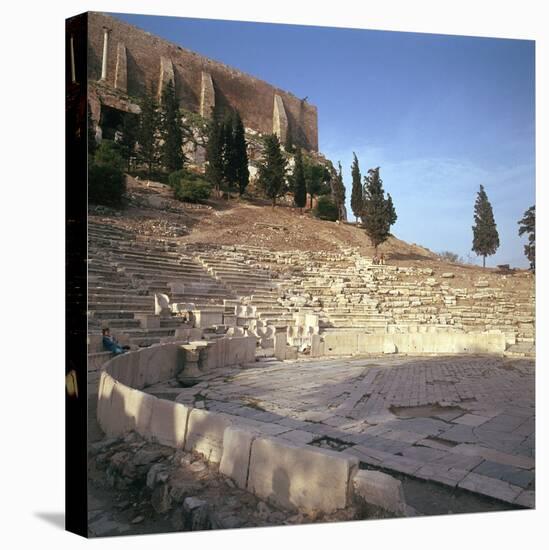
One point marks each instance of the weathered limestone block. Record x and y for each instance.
(236, 331)
(293, 476)
(379, 489)
(168, 423)
(389, 347)
(182, 307)
(229, 320)
(280, 340)
(207, 95)
(204, 319)
(235, 462)
(166, 75)
(147, 320)
(280, 119)
(205, 433)
(161, 304)
(139, 407)
(121, 71)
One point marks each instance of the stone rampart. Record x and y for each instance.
(137, 61)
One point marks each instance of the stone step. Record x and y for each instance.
(111, 314)
(119, 297)
(123, 306)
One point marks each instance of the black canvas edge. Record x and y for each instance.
(76, 402)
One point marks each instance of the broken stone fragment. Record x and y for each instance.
(379, 490)
(196, 514)
(161, 500)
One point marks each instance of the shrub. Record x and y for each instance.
(175, 177)
(189, 187)
(109, 153)
(448, 256)
(326, 209)
(106, 185)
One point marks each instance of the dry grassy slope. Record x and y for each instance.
(283, 229)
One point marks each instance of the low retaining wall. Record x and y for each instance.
(356, 342)
(291, 476)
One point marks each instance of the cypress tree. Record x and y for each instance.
(129, 129)
(171, 152)
(378, 213)
(289, 144)
(485, 234)
(391, 212)
(148, 131)
(272, 171)
(299, 184)
(214, 152)
(339, 191)
(229, 152)
(356, 193)
(315, 176)
(242, 173)
(528, 225)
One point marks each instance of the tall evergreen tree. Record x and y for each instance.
(378, 212)
(229, 151)
(214, 152)
(130, 133)
(289, 143)
(356, 193)
(171, 131)
(485, 234)
(272, 171)
(391, 212)
(528, 225)
(339, 191)
(315, 176)
(242, 173)
(148, 132)
(299, 183)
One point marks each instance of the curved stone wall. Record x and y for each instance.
(291, 476)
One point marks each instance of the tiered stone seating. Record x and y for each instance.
(344, 290)
(125, 271)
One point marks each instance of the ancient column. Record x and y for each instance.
(73, 67)
(280, 120)
(207, 95)
(105, 53)
(121, 72)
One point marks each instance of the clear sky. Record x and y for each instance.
(439, 114)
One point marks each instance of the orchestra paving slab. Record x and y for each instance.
(463, 421)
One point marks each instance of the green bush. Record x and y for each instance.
(189, 187)
(326, 209)
(109, 153)
(175, 177)
(106, 185)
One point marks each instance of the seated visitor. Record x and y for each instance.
(110, 343)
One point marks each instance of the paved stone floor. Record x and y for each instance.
(464, 421)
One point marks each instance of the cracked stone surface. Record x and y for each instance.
(463, 421)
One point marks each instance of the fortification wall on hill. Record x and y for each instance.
(138, 61)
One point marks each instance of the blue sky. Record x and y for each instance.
(439, 114)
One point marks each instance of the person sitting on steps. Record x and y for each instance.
(110, 343)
